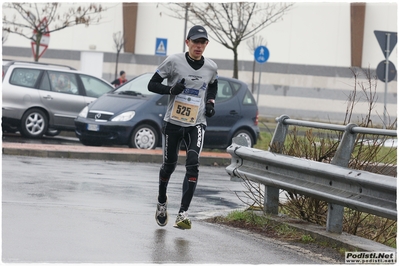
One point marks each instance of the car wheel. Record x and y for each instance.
(144, 137)
(246, 135)
(34, 123)
(52, 132)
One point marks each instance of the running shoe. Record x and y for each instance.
(182, 221)
(161, 215)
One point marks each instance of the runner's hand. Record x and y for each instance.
(178, 88)
(209, 109)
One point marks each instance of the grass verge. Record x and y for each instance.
(263, 225)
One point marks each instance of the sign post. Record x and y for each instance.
(387, 41)
(44, 41)
(261, 56)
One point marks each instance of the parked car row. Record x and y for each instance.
(42, 99)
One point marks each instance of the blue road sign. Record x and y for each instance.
(161, 46)
(261, 54)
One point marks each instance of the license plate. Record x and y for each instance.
(92, 127)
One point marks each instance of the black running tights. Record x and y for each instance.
(192, 138)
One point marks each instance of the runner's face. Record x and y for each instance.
(196, 47)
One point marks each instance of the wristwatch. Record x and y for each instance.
(211, 101)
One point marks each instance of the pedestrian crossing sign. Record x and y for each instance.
(161, 46)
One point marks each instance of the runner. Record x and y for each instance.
(192, 85)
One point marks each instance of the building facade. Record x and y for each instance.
(316, 51)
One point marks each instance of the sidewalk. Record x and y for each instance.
(106, 153)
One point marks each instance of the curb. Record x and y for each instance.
(345, 240)
(106, 153)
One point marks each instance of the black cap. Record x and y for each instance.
(197, 32)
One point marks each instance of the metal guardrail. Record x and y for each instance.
(334, 183)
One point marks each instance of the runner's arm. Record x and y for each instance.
(212, 91)
(155, 85)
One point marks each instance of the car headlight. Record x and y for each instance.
(126, 116)
(84, 112)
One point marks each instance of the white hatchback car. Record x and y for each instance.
(43, 99)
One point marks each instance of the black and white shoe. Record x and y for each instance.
(161, 215)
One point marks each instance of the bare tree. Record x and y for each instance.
(231, 23)
(253, 43)
(119, 40)
(28, 17)
(4, 37)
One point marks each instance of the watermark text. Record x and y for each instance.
(361, 257)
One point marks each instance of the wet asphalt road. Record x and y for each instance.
(83, 211)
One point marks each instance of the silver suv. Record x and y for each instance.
(43, 99)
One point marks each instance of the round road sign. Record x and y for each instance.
(381, 71)
(261, 54)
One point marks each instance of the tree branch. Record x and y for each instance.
(230, 23)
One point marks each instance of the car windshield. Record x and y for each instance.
(136, 87)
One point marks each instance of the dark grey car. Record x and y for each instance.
(131, 115)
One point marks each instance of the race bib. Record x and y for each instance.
(185, 108)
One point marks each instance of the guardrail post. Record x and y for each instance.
(280, 133)
(335, 213)
(271, 195)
